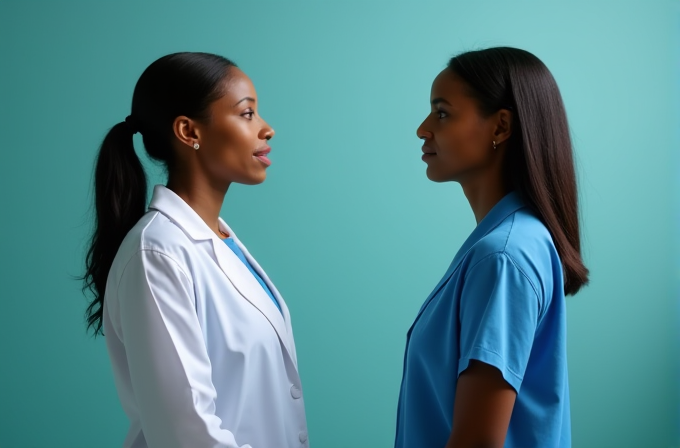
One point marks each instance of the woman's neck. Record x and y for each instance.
(483, 194)
(205, 199)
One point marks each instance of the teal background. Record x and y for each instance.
(346, 224)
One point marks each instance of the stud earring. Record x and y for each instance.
(196, 146)
(494, 145)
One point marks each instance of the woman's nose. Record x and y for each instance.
(267, 132)
(422, 133)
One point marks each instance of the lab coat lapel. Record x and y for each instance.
(246, 284)
(171, 205)
(284, 314)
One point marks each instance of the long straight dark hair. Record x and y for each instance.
(539, 161)
(176, 84)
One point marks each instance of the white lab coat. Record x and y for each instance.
(201, 356)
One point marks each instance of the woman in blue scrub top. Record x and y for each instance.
(200, 340)
(485, 362)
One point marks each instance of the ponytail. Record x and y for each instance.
(120, 201)
(173, 85)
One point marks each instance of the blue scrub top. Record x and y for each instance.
(239, 253)
(500, 302)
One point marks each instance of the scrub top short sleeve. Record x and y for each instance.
(499, 311)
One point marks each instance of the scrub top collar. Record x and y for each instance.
(510, 203)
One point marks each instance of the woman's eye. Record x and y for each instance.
(248, 115)
(441, 114)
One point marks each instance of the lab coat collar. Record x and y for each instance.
(170, 204)
(504, 208)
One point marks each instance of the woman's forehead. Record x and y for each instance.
(239, 85)
(447, 85)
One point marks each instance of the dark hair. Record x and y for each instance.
(539, 162)
(176, 84)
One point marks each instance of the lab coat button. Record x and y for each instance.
(303, 436)
(295, 391)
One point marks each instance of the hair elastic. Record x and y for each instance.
(132, 124)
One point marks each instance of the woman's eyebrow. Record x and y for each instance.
(247, 98)
(439, 100)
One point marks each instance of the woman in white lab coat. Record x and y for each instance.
(199, 338)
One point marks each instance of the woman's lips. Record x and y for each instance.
(261, 155)
(428, 152)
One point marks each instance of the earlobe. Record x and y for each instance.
(185, 130)
(503, 129)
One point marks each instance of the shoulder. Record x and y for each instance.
(523, 240)
(498, 273)
(521, 233)
(156, 234)
(528, 236)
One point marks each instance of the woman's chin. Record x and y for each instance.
(258, 178)
(435, 176)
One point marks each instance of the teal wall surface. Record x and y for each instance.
(347, 224)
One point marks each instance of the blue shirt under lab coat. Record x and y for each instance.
(500, 302)
(241, 256)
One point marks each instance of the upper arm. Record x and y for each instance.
(499, 310)
(498, 315)
(167, 359)
(482, 409)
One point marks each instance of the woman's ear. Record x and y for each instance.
(503, 129)
(186, 131)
